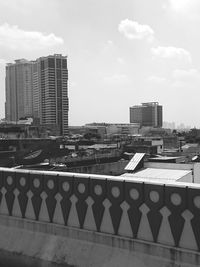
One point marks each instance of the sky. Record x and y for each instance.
(120, 53)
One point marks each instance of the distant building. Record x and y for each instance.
(169, 125)
(147, 114)
(38, 89)
(19, 97)
(115, 128)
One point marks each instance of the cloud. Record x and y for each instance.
(179, 5)
(189, 8)
(179, 78)
(108, 46)
(109, 42)
(156, 79)
(133, 30)
(183, 77)
(171, 52)
(183, 5)
(3, 61)
(121, 60)
(11, 36)
(186, 74)
(117, 79)
(24, 7)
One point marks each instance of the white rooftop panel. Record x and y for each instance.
(134, 161)
(158, 174)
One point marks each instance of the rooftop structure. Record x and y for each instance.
(163, 169)
(161, 175)
(135, 162)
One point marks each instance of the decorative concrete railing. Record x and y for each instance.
(166, 214)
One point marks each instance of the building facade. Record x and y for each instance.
(147, 114)
(50, 84)
(19, 100)
(39, 89)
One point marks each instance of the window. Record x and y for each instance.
(64, 63)
(51, 63)
(58, 63)
(42, 65)
(58, 73)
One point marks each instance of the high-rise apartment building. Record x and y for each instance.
(50, 91)
(19, 100)
(147, 114)
(38, 89)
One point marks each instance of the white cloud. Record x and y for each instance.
(186, 74)
(133, 30)
(183, 5)
(121, 60)
(26, 7)
(108, 46)
(156, 79)
(171, 52)
(3, 61)
(109, 42)
(189, 78)
(189, 8)
(13, 37)
(179, 78)
(117, 79)
(179, 5)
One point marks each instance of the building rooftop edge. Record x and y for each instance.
(23, 60)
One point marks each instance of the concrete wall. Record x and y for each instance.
(113, 211)
(23, 242)
(196, 172)
(174, 166)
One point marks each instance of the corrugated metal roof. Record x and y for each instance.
(134, 161)
(160, 174)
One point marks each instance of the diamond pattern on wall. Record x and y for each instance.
(104, 200)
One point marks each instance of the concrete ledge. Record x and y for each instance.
(42, 235)
(9, 259)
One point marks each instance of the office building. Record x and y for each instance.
(38, 89)
(19, 100)
(147, 114)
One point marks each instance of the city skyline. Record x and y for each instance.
(119, 54)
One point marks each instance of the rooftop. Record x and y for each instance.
(152, 174)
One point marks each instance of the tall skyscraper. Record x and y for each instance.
(19, 100)
(147, 114)
(39, 89)
(50, 91)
